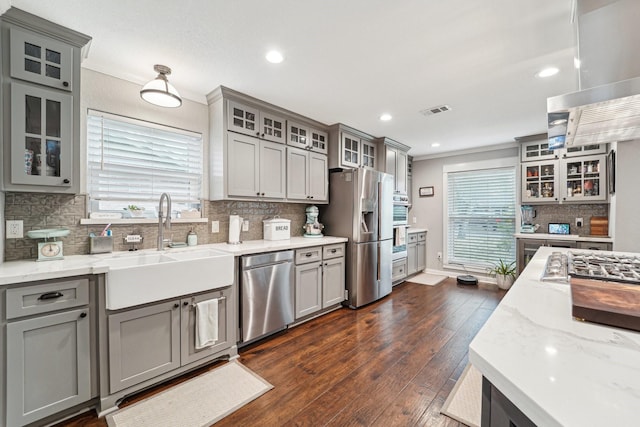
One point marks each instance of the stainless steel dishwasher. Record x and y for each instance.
(267, 294)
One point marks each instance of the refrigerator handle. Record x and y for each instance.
(378, 262)
(379, 219)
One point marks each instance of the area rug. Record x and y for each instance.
(427, 279)
(200, 401)
(464, 403)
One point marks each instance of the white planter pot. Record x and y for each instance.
(504, 282)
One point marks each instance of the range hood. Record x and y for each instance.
(608, 107)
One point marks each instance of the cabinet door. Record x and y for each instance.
(243, 119)
(188, 351)
(401, 172)
(41, 60)
(319, 141)
(412, 258)
(273, 170)
(584, 178)
(368, 155)
(243, 165)
(399, 269)
(143, 343)
(421, 256)
(350, 151)
(584, 150)
(297, 174)
(536, 150)
(332, 282)
(540, 182)
(390, 163)
(48, 365)
(272, 127)
(41, 141)
(298, 136)
(318, 177)
(308, 289)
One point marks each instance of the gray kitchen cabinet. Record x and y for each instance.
(595, 246)
(319, 278)
(351, 148)
(248, 151)
(399, 270)
(158, 338)
(526, 249)
(256, 168)
(421, 253)
(40, 104)
(395, 163)
(49, 354)
(307, 176)
(255, 122)
(307, 138)
(536, 147)
(416, 252)
(143, 343)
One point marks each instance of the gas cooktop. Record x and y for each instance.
(611, 267)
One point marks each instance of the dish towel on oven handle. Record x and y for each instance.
(206, 323)
(400, 236)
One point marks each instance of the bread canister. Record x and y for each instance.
(277, 229)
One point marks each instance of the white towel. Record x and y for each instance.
(206, 323)
(400, 236)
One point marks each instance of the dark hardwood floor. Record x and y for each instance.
(391, 363)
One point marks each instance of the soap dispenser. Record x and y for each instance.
(192, 238)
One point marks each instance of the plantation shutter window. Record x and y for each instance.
(133, 162)
(481, 216)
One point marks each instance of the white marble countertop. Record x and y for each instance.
(417, 230)
(572, 237)
(558, 371)
(78, 265)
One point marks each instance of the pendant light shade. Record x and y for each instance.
(159, 91)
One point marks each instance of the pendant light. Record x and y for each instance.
(159, 91)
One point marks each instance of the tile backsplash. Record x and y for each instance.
(546, 214)
(40, 211)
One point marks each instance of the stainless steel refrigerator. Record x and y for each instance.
(361, 209)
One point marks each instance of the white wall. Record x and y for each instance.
(625, 203)
(428, 211)
(116, 96)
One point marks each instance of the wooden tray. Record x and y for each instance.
(608, 303)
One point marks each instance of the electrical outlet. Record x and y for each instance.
(439, 256)
(415, 220)
(578, 222)
(245, 225)
(14, 229)
(215, 226)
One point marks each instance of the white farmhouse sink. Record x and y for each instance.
(140, 278)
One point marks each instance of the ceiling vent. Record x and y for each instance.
(435, 110)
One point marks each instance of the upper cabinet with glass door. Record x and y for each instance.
(307, 138)
(41, 84)
(585, 178)
(41, 60)
(540, 181)
(252, 121)
(351, 148)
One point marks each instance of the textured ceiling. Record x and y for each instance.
(347, 60)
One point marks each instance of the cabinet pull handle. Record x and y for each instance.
(83, 314)
(333, 251)
(308, 254)
(50, 295)
(65, 84)
(66, 181)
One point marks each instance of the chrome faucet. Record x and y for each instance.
(160, 225)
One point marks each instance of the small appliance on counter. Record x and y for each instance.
(527, 225)
(312, 228)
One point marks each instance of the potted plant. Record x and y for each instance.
(505, 273)
(135, 211)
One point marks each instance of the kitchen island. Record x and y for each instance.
(556, 370)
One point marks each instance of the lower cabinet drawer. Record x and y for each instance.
(333, 251)
(46, 297)
(399, 269)
(595, 246)
(306, 255)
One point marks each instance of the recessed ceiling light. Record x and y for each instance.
(548, 72)
(435, 144)
(385, 117)
(274, 57)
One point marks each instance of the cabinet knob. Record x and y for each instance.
(65, 84)
(176, 305)
(66, 181)
(257, 133)
(83, 314)
(186, 303)
(262, 194)
(257, 194)
(311, 197)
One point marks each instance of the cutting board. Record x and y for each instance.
(608, 303)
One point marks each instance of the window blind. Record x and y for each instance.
(135, 161)
(481, 216)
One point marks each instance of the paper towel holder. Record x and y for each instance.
(235, 239)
